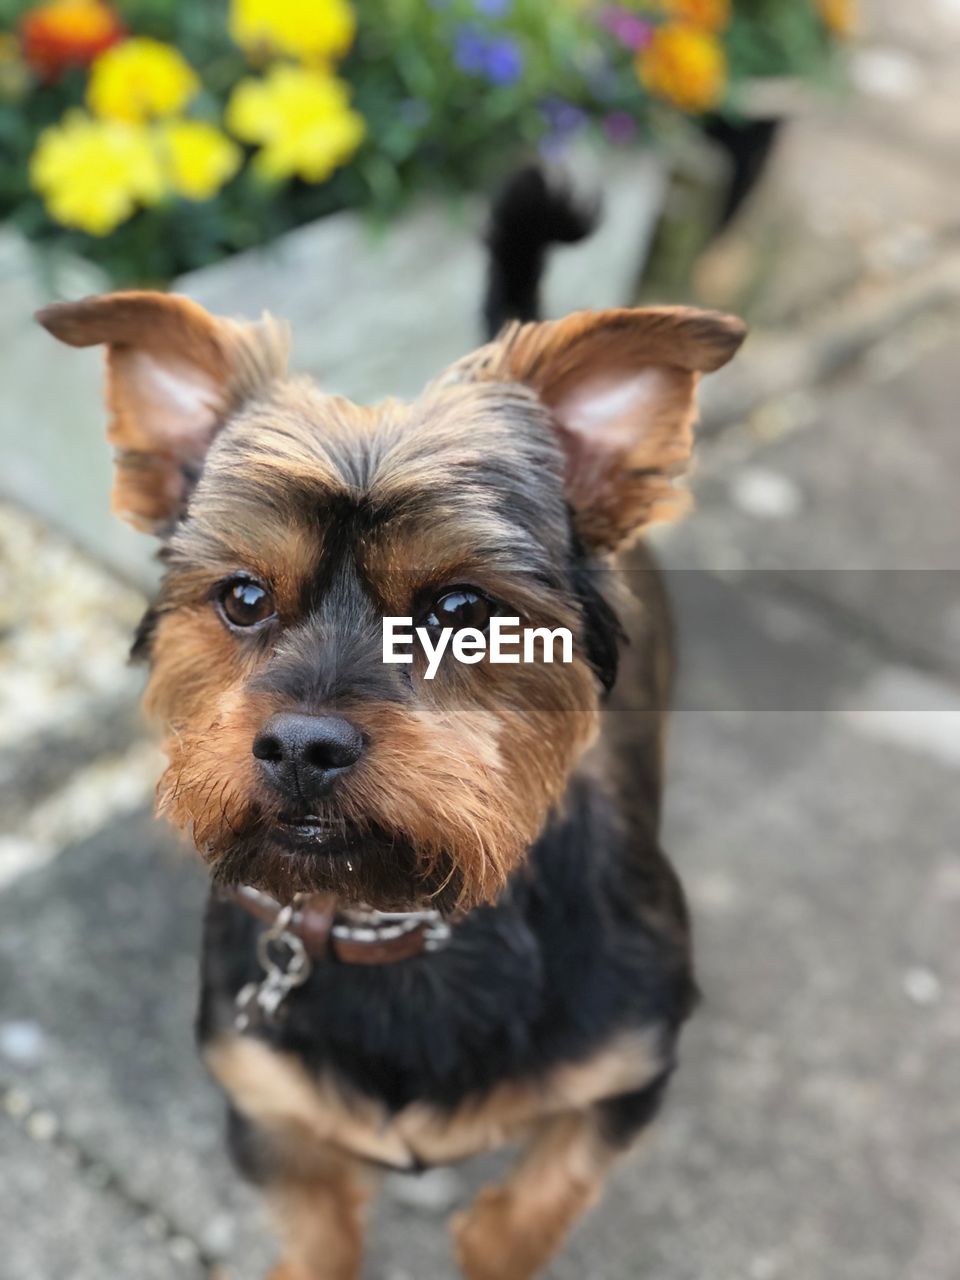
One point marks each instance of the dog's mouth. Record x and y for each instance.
(322, 840)
(306, 829)
(311, 852)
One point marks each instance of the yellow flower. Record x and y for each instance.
(198, 158)
(711, 15)
(138, 79)
(93, 174)
(839, 16)
(684, 65)
(301, 117)
(308, 29)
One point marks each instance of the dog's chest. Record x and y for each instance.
(275, 1091)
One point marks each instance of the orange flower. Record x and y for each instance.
(839, 16)
(711, 15)
(685, 66)
(67, 33)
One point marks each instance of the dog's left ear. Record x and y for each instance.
(621, 386)
(174, 374)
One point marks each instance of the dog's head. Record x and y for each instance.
(295, 521)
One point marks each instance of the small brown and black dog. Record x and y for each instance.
(440, 919)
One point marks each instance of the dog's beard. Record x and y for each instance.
(358, 866)
(429, 819)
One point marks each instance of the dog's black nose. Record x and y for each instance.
(302, 755)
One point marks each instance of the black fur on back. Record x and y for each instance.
(530, 213)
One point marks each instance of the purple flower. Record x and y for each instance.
(493, 8)
(470, 50)
(563, 118)
(620, 127)
(498, 58)
(631, 30)
(504, 61)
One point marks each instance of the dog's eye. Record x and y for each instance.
(460, 608)
(244, 603)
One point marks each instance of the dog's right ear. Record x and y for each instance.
(620, 386)
(174, 375)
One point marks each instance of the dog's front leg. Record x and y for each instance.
(513, 1230)
(320, 1218)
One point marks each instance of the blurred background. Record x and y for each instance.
(797, 161)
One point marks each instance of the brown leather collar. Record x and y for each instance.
(350, 935)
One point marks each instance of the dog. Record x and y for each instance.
(440, 918)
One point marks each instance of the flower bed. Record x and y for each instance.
(154, 137)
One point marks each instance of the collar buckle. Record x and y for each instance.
(286, 965)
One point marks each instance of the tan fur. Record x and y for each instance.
(275, 1090)
(210, 786)
(512, 1231)
(320, 1219)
